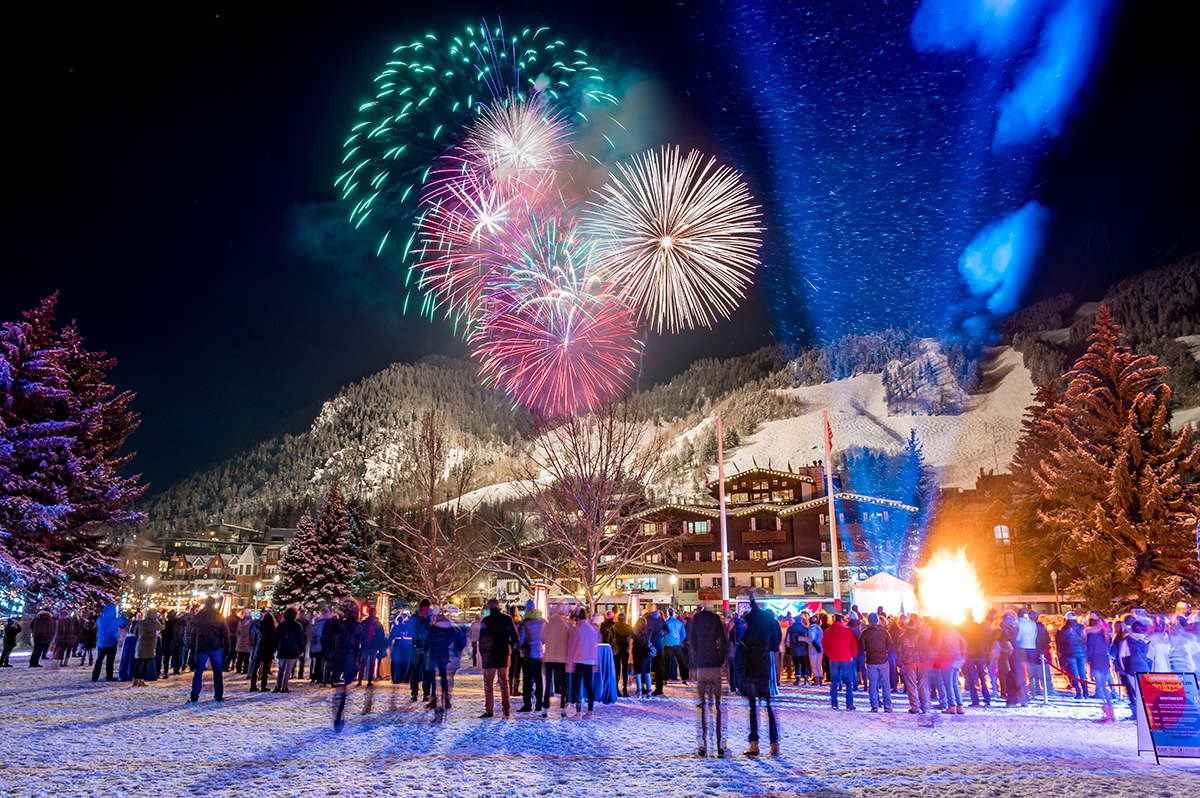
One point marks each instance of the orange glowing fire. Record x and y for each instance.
(947, 586)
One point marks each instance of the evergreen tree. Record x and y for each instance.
(1034, 446)
(363, 551)
(333, 536)
(317, 569)
(298, 566)
(917, 485)
(1118, 512)
(61, 430)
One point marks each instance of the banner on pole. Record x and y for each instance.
(1170, 714)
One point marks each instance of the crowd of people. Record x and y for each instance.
(1008, 656)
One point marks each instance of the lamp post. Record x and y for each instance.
(1057, 600)
(257, 593)
(673, 581)
(149, 580)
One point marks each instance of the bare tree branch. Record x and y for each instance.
(582, 482)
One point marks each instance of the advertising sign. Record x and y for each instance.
(1171, 708)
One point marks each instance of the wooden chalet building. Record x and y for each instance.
(778, 538)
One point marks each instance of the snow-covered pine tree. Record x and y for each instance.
(1034, 446)
(332, 580)
(1119, 507)
(61, 430)
(297, 567)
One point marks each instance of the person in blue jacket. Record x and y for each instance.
(106, 642)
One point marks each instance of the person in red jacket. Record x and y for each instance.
(841, 647)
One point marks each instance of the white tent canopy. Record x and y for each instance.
(884, 590)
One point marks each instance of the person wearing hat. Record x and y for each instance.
(1072, 654)
(496, 636)
(875, 642)
(530, 635)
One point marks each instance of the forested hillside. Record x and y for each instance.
(356, 438)
(1155, 309)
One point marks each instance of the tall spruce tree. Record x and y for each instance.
(61, 431)
(916, 486)
(1118, 510)
(333, 537)
(363, 551)
(298, 567)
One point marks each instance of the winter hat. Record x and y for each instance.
(873, 618)
(529, 605)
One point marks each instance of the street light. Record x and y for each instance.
(149, 580)
(1057, 600)
(257, 593)
(673, 581)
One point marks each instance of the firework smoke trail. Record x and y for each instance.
(429, 94)
(555, 336)
(680, 236)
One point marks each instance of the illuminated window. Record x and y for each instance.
(650, 529)
(763, 582)
(697, 527)
(610, 530)
(1002, 535)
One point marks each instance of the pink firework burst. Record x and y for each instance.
(555, 336)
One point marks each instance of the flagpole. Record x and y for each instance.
(724, 529)
(833, 538)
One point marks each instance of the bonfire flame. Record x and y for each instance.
(947, 586)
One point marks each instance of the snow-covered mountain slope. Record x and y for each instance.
(985, 436)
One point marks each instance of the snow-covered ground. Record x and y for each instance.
(64, 736)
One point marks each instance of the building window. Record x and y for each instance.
(607, 557)
(732, 582)
(697, 527)
(654, 559)
(1002, 535)
(610, 530)
(650, 529)
(789, 578)
(827, 576)
(716, 581)
(763, 582)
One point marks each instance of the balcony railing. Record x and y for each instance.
(763, 536)
(700, 539)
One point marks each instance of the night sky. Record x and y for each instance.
(170, 168)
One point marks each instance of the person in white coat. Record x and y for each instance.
(583, 652)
